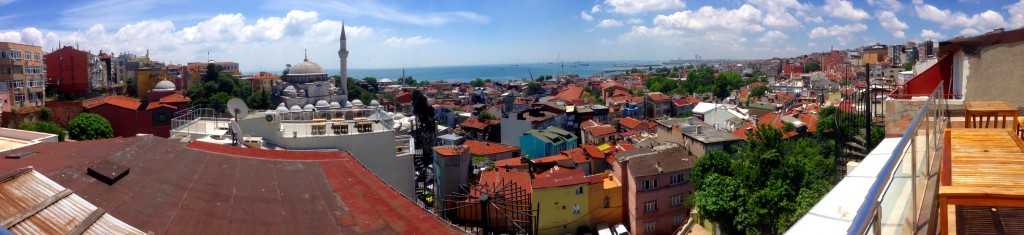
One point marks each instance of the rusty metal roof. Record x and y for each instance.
(31, 203)
(178, 188)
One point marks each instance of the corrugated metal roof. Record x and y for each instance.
(31, 203)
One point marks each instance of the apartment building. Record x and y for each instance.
(22, 75)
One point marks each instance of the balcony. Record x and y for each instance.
(897, 188)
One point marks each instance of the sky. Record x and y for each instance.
(268, 34)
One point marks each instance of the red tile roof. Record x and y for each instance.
(600, 130)
(551, 159)
(173, 188)
(629, 122)
(450, 151)
(811, 120)
(571, 92)
(174, 98)
(658, 96)
(767, 119)
(589, 123)
(679, 102)
(577, 155)
(496, 176)
(693, 100)
(611, 84)
(593, 151)
(156, 105)
(559, 179)
(510, 163)
(404, 97)
(475, 123)
(484, 148)
(115, 100)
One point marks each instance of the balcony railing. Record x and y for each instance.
(902, 199)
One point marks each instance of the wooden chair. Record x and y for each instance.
(1002, 120)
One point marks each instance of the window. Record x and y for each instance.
(677, 220)
(677, 179)
(19, 97)
(37, 56)
(576, 209)
(579, 190)
(676, 200)
(650, 227)
(607, 202)
(651, 206)
(649, 184)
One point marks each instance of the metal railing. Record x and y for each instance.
(903, 197)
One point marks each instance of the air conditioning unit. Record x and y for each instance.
(272, 118)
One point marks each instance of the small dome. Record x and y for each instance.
(357, 102)
(295, 109)
(374, 103)
(335, 105)
(281, 109)
(305, 67)
(348, 104)
(322, 104)
(386, 80)
(281, 105)
(399, 116)
(164, 86)
(308, 107)
(289, 89)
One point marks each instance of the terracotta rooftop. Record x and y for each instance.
(115, 100)
(562, 178)
(156, 105)
(772, 119)
(485, 148)
(571, 92)
(510, 163)
(577, 155)
(593, 151)
(476, 123)
(520, 178)
(658, 96)
(589, 123)
(404, 97)
(174, 188)
(450, 151)
(629, 122)
(600, 130)
(175, 98)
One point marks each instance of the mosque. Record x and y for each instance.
(307, 87)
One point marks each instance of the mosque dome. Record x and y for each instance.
(308, 107)
(281, 109)
(398, 116)
(306, 67)
(295, 109)
(386, 80)
(335, 105)
(305, 72)
(374, 103)
(322, 104)
(357, 102)
(164, 86)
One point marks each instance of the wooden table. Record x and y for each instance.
(991, 109)
(980, 167)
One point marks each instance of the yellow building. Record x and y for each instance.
(146, 79)
(563, 202)
(22, 76)
(875, 55)
(605, 200)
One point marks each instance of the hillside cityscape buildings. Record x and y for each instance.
(880, 138)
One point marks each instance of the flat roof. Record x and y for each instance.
(178, 188)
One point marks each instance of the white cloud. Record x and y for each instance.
(1016, 14)
(893, 5)
(409, 41)
(745, 18)
(380, 11)
(641, 31)
(976, 24)
(585, 16)
(773, 36)
(840, 31)
(814, 19)
(607, 23)
(634, 21)
(777, 12)
(889, 21)
(844, 10)
(928, 34)
(595, 9)
(639, 6)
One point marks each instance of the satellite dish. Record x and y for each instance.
(236, 133)
(237, 108)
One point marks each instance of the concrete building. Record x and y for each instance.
(492, 151)
(514, 124)
(546, 142)
(452, 167)
(657, 105)
(22, 75)
(563, 199)
(595, 133)
(74, 71)
(695, 136)
(656, 185)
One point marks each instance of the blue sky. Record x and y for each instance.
(271, 33)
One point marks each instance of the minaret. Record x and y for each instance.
(343, 55)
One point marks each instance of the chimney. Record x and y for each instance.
(698, 129)
(754, 117)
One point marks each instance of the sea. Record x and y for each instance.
(502, 72)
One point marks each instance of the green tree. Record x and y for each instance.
(909, 65)
(371, 84)
(425, 127)
(812, 66)
(88, 126)
(533, 88)
(477, 82)
(487, 116)
(219, 101)
(366, 97)
(45, 127)
(260, 100)
(45, 114)
(760, 91)
(766, 186)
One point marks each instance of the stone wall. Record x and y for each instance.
(899, 114)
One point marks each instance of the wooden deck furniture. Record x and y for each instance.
(990, 114)
(980, 167)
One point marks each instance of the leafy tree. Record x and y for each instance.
(487, 116)
(768, 185)
(812, 66)
(219, 101)
(45, 127)
(216, 82)
(260, 100)
(45, 114)
(760, 91)
(477, 82)
(89, 126)
(423, 83)
(909, 65)
(366, 97)
(425, 127)
(533, 88)
(408, 81)
(371, 84)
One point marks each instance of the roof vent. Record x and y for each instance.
(21, 155)
(107, 171)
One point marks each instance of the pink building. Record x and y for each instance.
(655, 185)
